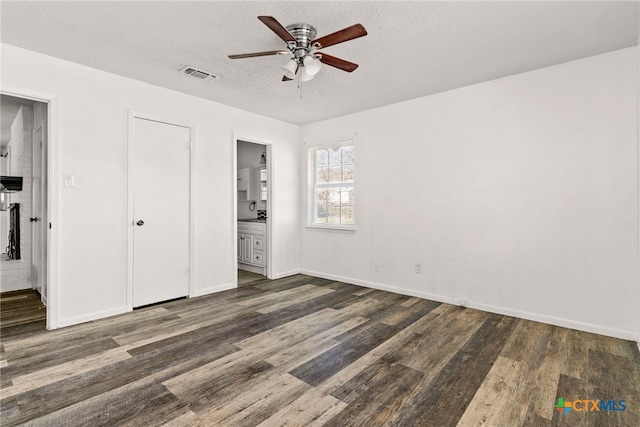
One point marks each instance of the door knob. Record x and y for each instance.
(33, 219)
(140, 223)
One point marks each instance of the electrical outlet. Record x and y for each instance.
(376, 266)
(419, 268)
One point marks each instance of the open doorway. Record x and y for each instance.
(23, 205)
(254, 209)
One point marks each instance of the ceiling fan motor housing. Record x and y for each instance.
(304, 34)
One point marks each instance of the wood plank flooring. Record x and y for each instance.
(21, 311)
(246, 277)
(304, 351)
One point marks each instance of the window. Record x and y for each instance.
(332, 178)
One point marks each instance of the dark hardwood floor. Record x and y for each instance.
(21, 312)
(247, 277)
(304, 351)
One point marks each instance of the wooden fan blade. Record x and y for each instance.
(349, 33)
(286, 79)
(277, 28)
(337, 62)
(254, 54)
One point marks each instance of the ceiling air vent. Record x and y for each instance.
(202, 75)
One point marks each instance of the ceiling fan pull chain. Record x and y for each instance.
(299, 84)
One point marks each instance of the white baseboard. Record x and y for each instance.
(113, 312)
(286, 274)
(536, 317)
(70, 321)
(557, 321)
(213, 289)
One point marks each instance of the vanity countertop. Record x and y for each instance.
(252, 220)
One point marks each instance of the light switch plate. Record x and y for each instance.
(69, 179)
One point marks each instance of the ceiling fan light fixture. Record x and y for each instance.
(311, 65)
(305, 75)
(290, 69)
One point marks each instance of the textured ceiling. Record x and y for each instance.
(413, 48)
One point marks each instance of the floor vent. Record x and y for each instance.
(202, 75)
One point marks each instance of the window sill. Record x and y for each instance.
(331, 227)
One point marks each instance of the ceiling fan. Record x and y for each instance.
(301, 43)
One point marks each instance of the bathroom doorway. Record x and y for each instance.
(254, 209)
(24, 197)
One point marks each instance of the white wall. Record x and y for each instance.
(92, 134)
(518, 195)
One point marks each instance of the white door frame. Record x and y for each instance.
(638, 166)
(35, 202)
(132, 115)
(270, 197)
(53, 282)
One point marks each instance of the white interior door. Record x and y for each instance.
(38, 216)
(161, 155)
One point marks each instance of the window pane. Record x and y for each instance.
(334, 156)
(347, 154)
(347, 215)
(333, 196)
(322, 158)
(334, 174)
(346, 196)
(322, 175)
(321, 205)
(347, 173)
(334, 215)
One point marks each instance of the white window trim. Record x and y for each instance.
(312, 184)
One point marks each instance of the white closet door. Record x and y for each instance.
(160, 211)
